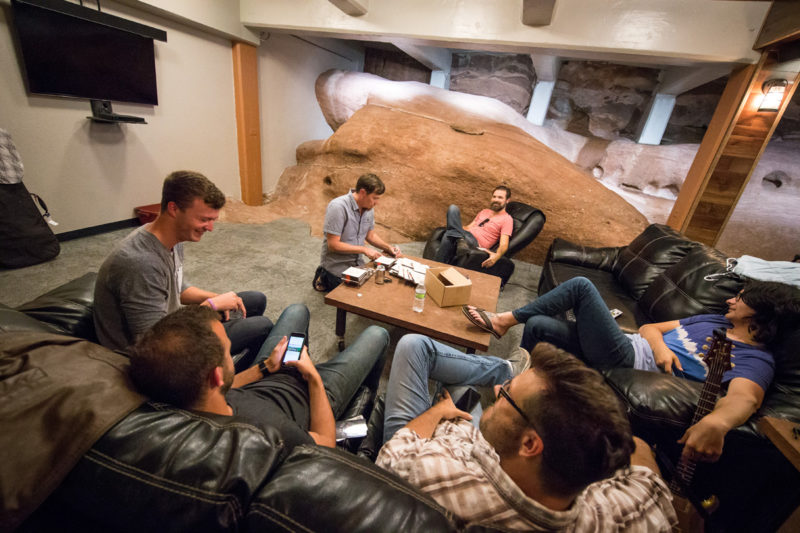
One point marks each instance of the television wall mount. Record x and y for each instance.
(102, 112)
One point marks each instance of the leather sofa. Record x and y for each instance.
(661, 275)
(528, 222)
(159, 468)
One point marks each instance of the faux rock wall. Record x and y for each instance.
(591, 98)
(507, 77)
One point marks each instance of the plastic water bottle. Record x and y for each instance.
(419, 298)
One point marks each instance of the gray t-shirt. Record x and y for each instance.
(343, 217)
(139, 283)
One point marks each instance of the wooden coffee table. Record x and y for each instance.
(391, 303)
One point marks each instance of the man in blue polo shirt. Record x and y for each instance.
(349, 222)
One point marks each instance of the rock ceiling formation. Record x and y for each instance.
(432, 148)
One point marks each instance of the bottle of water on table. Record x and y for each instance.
(419, 298)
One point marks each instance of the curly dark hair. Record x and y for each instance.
(776, 306)
(171, 361)
(586, 434)
(183, 186)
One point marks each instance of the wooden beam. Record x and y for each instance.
(781, 24)
(248, 123)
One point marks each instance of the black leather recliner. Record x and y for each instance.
(661, 275)
(528, 222)
(165, 469)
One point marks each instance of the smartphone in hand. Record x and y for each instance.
(293, 348)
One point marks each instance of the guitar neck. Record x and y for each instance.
(718, 360)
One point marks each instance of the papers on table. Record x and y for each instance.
(409, 270)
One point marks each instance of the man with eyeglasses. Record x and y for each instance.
(554, 452)
(755, 320)
(490, 226)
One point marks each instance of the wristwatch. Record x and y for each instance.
(263, 367)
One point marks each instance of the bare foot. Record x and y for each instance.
(500, 322)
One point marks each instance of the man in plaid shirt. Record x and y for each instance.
(553, 453)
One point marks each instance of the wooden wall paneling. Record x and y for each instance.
(248, 122)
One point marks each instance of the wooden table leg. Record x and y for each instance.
(341, 323)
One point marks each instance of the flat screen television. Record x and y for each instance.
(70, 50)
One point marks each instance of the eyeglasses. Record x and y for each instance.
(482, 223)
(504, 393)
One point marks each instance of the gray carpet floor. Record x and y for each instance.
(278, 258)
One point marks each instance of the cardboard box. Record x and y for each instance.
(447, 287)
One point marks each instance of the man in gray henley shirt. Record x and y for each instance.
(142, 279)
(349, 222)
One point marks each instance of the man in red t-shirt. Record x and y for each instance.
(489, 226)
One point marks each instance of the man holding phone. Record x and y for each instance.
(349, 221)
(185, 360)
(490, 226)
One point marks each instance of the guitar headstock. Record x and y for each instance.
(719, 353)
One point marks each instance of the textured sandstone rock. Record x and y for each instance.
(431, 154)
(506, 77)
(601, 99)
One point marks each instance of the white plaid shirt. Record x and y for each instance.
(462, 472)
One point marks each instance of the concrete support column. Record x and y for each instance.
(546, 68)
(656, 118)
(441, 79)
(540, 102)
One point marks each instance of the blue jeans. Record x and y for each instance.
(416, 360)
(361, 363)
(455, 231)
(594, 336)
(251, 332)
(293, 319)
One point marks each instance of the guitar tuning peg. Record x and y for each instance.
(732, 365)
(705, 346)
(708, 339)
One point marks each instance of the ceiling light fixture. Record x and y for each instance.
(773, 95)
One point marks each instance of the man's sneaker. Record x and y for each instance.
(520, 361)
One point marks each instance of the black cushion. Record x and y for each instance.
(13, 320)
(649, 254)
(67, 308)
(683, 289)
(320, 489)
(161, 465)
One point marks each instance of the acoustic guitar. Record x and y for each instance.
(718, 360)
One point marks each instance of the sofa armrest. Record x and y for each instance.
(67, 309)
(562, 251)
